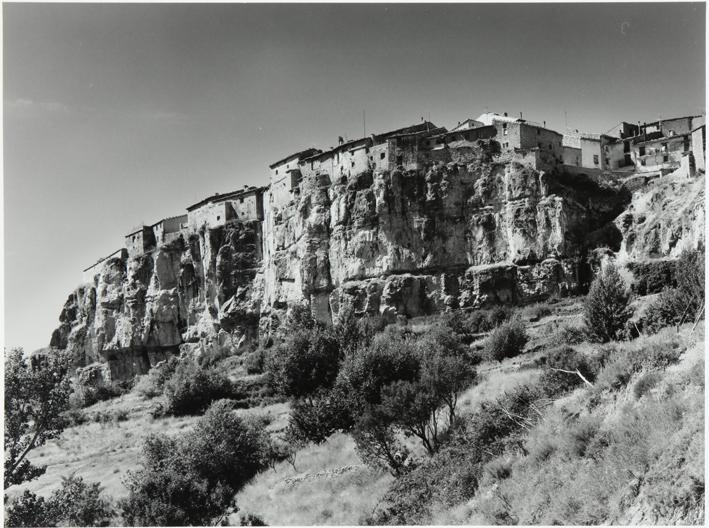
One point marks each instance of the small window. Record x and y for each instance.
(595, 159)
(642, 151)
(276, 171)
(366, 150)
(665, 158)
(642, 162)
(241, 200)
(664, 147)
(382, 155)
(218, 217)
(400, 160)
(353, 164)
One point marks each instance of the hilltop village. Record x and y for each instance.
(651, 148)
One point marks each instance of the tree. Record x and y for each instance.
(75, 503)
(37, 391)
(192, 480)
(607, 307)
(305, 362)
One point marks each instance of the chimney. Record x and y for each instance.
(505, 114)
(545, 124)
(520, 115)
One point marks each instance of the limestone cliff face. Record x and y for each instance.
(664, 218)
(197, 291)
(467, 229)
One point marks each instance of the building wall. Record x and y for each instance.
(699, 148)
(139, 242)
(665, 153)
(281, 192)
(247, 207)
(210, 215)
(676, 127)
(571, 156)
(613, 155)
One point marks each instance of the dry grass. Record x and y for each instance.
(330, 485)
(105, 452)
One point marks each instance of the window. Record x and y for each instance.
(382, 155)
(664, 147)
(504, 129)
(595, 159)
(400, 160)
(276, 171)
(642, 162)
(608, 161)
(366, 150)
(665, 158)
(218, 217)
(642, 151)
(353, 164)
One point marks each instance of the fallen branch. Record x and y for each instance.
(574, 372)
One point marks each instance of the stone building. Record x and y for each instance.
(517, 133)
(598, 151)
(243, 205)
(89, 273)
(699, 148)
(285, 176)
(168, 229)
(140, 241)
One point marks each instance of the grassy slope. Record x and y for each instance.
(622, 460)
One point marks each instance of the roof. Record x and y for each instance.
(298, 155)
(138, 230)
(425, 126)
(340, 148)
(224, 196)
(489, 117)
(169, 218)
(467, 121)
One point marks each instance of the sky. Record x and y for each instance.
(115, 115)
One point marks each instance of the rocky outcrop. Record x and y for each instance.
(664, 218)
(466, 229)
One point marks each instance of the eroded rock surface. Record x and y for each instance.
(468, 230)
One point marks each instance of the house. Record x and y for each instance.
(467, 125)
(89, 273)
(168, 229)
(243, 205)
(514, 134)
(285, 176)
(598, 151)
(140, 241)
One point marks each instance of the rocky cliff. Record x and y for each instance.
(468, 229)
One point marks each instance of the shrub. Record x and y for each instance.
(683, 303)
(559, 374)
(305, 362)
(74, 417)
(152, 384)
(251, 520)
(192, 480)
(506, 341)
(191, 389)
(315, 418)
(607, 305)
(466, 324)
(645, 384)
(75, 503)
(254, 363)
(652, 277)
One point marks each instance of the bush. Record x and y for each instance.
(683, 303)
(191, 389)
(645, 384)
(506, 341)
(652, 277)
(315, 418)
(553, 381)
(467, 324)
(255, 361)
(305, 362)
(607, 306)
(192, 480)
(251, 520)
(152, 384)
(75, 503)
(74, 417)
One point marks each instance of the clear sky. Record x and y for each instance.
(120, 114)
